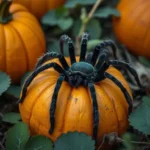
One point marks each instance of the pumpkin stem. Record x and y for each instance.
(5, 15)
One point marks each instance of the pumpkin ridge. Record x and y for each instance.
(24, 47)
(120, 128)
(46, 5)
(32, 87)
(31, 57)
(36, 101)
(4, 48)
(29, 28)
(139, 14)
(62, 129)
(117, 74)
(146, 32)
(100, 96)
(137, 6)
(29, 5)
(88, 92)
(112, 101)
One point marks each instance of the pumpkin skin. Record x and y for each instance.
(133, 28)
(22, 42)
(74, 106)
(40, 7)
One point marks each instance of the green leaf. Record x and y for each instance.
(92, 44)
(54, 46)
(61, 12)
(93, 28)
(39, 143)
(144, 61)
(65, 23)
(74, 3)
(50, 18)
(58, 18)
(76, 27)
(4, 82)
(14, 91)
(140, 119)
(12, 117)
(17, 137)
(106, 12)
(127, 137)
(74, 140)
(146, 101)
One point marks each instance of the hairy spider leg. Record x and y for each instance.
(100, 73)
(52, 55)
(89, 57)
(53, 103)
(125, 65)
(98, 49)
(61, 44)
(102, 58)
(112, 45)
(95, 109)
(45, 57)
(83, 46)
(70, 47)
(123, 89)
(35, 73)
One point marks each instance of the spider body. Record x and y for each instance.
(87, 72)
(82, 68)
(80, 73)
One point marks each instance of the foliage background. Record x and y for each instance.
(69, 19)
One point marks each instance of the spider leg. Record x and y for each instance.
(45, 57)
(53, 103)
(116, 63)
(95, 109)
(99, 48)
(70, 45)
(89, 57)
(83, 46)
(35, 73)
(61, 44)
(102, 59)
(52, 55)
(123, 89)
(100, 73)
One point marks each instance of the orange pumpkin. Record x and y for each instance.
(22, 40)
(133, 27)
(83, 99)
(40, 7)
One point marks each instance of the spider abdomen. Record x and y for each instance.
(82, 68)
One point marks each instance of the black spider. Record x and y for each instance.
(86, 72)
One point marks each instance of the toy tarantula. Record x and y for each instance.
(86, 72)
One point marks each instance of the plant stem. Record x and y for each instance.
(5, 16)
(134, 142)
(85, 22)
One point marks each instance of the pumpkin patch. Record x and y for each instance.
(65, 84)
(22, 40)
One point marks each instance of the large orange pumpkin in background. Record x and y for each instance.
(40, 7)
(133, 26)
(74, 106)
(21, 40)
